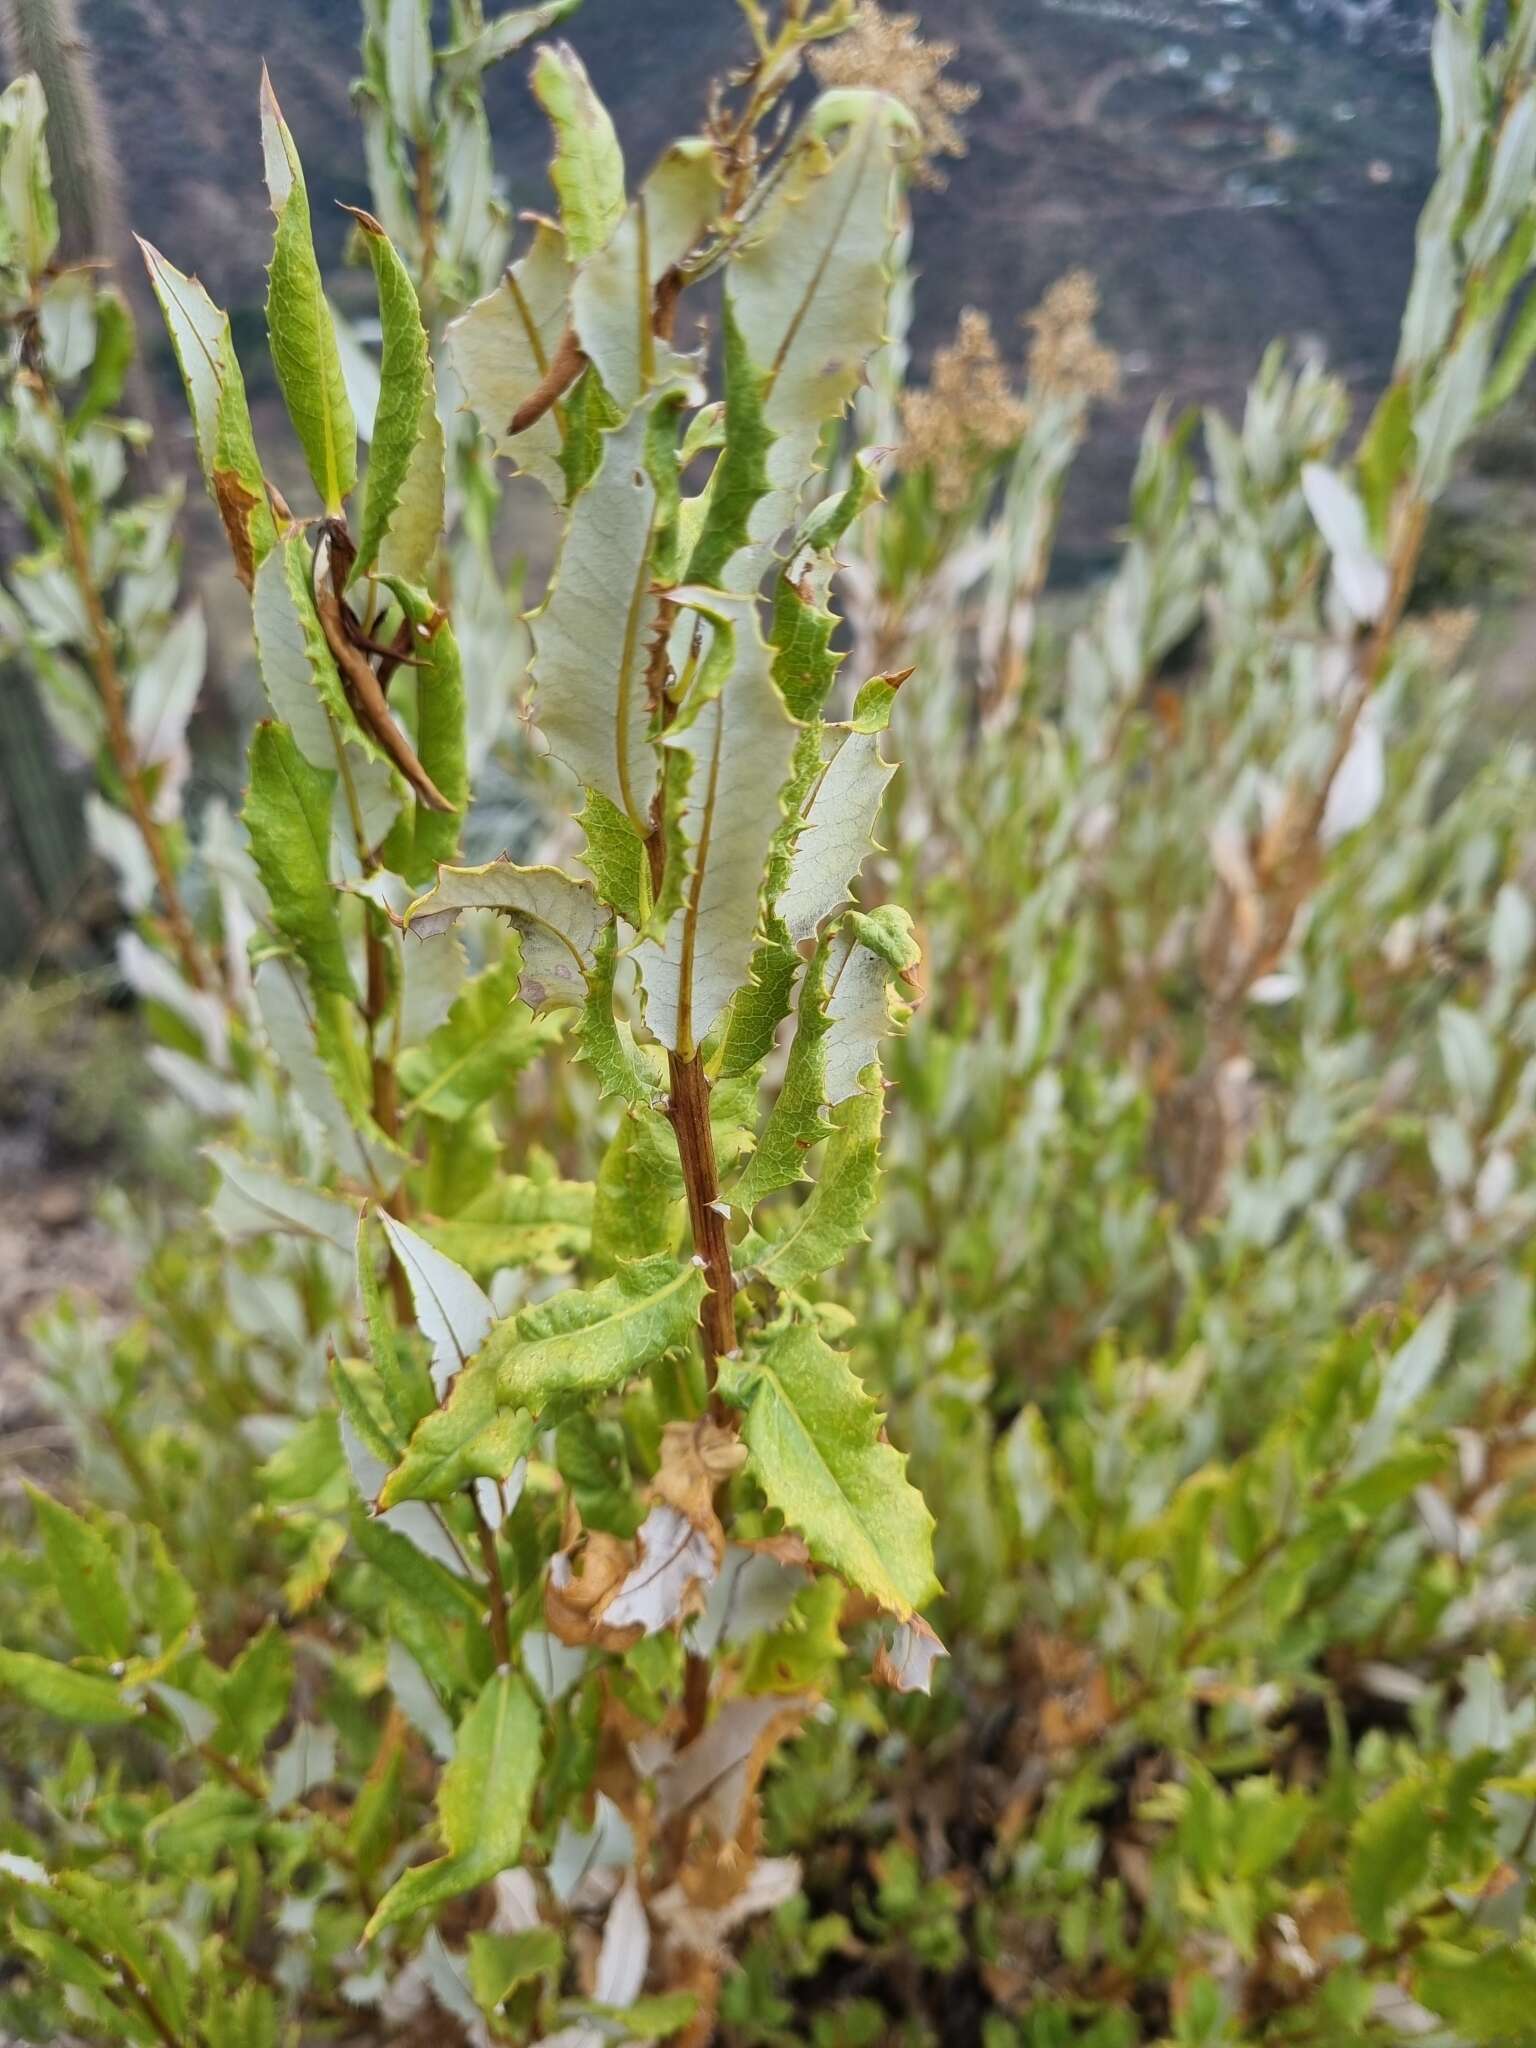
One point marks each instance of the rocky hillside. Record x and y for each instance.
(1232, 169)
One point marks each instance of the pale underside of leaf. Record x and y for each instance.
(500, 351)
(558, 919)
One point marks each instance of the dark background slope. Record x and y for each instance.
(1230, 171)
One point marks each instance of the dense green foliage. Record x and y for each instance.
(487, 1599)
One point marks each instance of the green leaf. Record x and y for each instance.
(588, 170)
(588, 1341)
(813, 1435)
(485, 1040)
(453, 1314)
(85, 1578)
(406, 416)
(870, 956)
(1389, 1853)
(517, 1221)
(1486, 1998)
(838, 833)
(594, 633)
(29, 218)
(221, 419)
(808, 291)
(612, 301)
(288, 816)
(498, 1963)
(639, 1186)
(253, 1201)
(305, 352)
(558, 919)
(483, 1803)
(255, 1693)
(795, 1123)
(68, 1695)
(831, 1219)
(424, 837)
(470, 1437)
(740, 476)
(501, 348)
(615, 857)
(297, 669)
(739, 743)
(635, 1073)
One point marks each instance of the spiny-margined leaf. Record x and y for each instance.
(303, 340)
(453, 1314)
(635, 1212)
(588, 1341)
(483, 1801)
(407, 437)
(499, 37)
(837, 835)
(808, 289)
(288, 816)
(831, 1220)
(558, 919)
(517, 1221)
(615, 856)
(795, 1123)
(805, 663)
(221, 419)
(814, 1441)
(634, 1072)
(588, 170)
(871, 954)
(740, 743)
(613, 296)
(739, 480)
(500, 351)
(486, 1038)
(425, 836)
(593, 636)
(469, 1437)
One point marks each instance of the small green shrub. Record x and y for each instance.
(481, 1543)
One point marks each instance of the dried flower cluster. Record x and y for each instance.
(885, 52)
(1066, 357)
(968, 412)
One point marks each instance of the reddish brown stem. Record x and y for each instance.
(688, 1112)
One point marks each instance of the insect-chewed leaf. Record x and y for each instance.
(454, 1315)
(837, 835)
(304, 348)
(483, 1802)
(740, 743)
(588, 1341)
(594, 632)
(808, 291)
(403, 508)
(221, 419)
(501, 349)
(558, 919)
(612, 298)
(588, 170)
(813, 1435)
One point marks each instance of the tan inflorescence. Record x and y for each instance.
(885, 53)
(968, 411)
(1066, 358)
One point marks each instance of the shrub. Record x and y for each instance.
(482, 1541)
